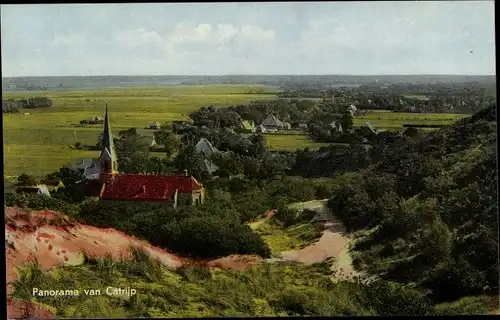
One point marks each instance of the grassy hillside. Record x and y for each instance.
(263, 290)
(426, 213)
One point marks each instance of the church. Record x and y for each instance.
(177, 190)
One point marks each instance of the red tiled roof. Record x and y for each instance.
(148, 187)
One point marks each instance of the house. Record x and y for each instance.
(206, 147)
(337, 127)
(96, 120)
(209, 166)
(271, 122)
(352, 109)
(40, 190)
(287, 126)
(302, 126)
(87, 166)
(153, 143)
(260, 128)
(115, 186)
(154, 125)
(368, 129)
(248, 125)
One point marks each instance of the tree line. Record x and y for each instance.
(15, 106)
(467, 97)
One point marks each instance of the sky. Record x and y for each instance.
(355, 38)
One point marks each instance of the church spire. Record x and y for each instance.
(108, 157)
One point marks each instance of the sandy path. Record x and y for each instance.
(334, 243)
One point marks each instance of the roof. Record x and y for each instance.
(271, 120)
(205, 146)
(40, 190)
(369, 125)
(148, 187)
(81, 163)
(210, 167)
(107, 141)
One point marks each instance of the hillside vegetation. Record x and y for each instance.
(264, 290)
(426, 213)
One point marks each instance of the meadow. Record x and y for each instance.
(40, 142)
(395, 120)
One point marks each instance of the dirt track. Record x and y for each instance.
(334, 243)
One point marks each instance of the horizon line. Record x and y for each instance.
(265, 75)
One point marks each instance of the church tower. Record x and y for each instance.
(108, 160)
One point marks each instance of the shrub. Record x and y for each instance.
(212, 237)
(26, 180)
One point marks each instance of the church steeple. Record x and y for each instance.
(108, 159)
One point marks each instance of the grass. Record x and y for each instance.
(263, 290)
(417, 97)
(39, 143)
(281, 239)
(395, 120)
(292, 142)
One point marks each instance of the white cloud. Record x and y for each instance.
(76, 39)
(138, 37)
(257, 34)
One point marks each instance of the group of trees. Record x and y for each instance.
(467, 97)
(14, 106)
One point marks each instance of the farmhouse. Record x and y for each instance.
(287, 126)
(272, 123)
(87, 166)
(368, 129)
(302, 126)
(153, 143)
(248, 125)
(207, 149)
(41, 190)
(96, 120)
(352, 110)
(262, 129)
(154, 125)
(174, 189)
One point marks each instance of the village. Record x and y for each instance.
(103, 180)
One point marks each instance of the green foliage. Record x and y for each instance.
(431, 208)
(393, 299)
(208, 231)
(168, 139)
(480, 305)
(208, 237)
(26, 180)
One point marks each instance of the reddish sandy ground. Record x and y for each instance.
(30, 236)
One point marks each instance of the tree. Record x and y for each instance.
(346, 121)
(169, 140)
(26, 180)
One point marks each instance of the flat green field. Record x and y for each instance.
(291, 142)
(394, 120)
(39, 143)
